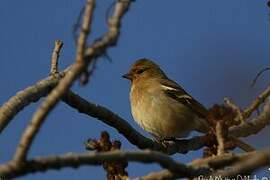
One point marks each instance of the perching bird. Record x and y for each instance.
(161, 106)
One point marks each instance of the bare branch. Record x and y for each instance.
(14, 169)
(56, 94)
(247, 164)
(24, 97)
(55, 55)
(220, 138)
(259, 74)
(33, 93)
(109, 38)
(253, 126)
(85, 30)
(216, 162)
(213, 162)
(77, 25)
(242, 116)
(113, 120)
(239, 116)
(256, 103)
(242, 145)
(164, 174)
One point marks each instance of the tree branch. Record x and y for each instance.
(134, 137)
(247, 164)
(56, 94)
(254, 126)
(220, 138)
(110, 38)
(24, 97)
(14, 169)
(256, 103)
(34, 93)
(239, 115)
(137, 139)
(213, 162)
(55, 55)
(163, 174)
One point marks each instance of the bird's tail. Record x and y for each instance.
(202, 126)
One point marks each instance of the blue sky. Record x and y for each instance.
(212, 48)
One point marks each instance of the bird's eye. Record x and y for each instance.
(140, 71)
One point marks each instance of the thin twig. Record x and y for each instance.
(56, 94)
(239, 116)
(110, 38)
(242, 145)
(109, 10)
(85, 31)
(258, 75)
(55, 55)
(220, 138)
(77, 25)
(256, 103)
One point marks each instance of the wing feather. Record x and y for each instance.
(173, 90)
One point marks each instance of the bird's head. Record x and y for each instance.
(143, 69)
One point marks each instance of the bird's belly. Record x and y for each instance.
(163, 119)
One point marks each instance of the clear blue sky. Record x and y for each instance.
(213, 48)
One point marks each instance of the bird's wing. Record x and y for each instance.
(173, 90)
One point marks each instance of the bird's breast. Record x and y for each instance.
(158, 114)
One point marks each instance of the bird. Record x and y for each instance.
(161, 106)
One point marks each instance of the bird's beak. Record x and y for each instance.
(127, 76)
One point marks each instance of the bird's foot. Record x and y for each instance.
(165, 141)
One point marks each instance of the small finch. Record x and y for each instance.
(161, 106)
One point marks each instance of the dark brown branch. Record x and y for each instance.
(14, 169)
(258, 75)
(113, 120)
